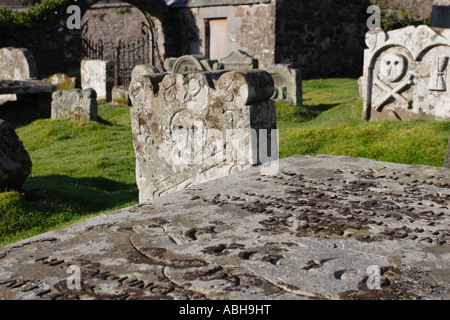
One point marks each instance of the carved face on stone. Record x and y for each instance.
(393, 67)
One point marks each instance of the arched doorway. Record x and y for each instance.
(128, 32)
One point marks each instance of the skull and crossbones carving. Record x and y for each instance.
(392, 70)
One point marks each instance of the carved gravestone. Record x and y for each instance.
(98, 75)
(15, 163)
(288, 83)
(74, 104)
(406, 74)
(191, 63)
(239, 61)
(16, 64)
(191, 128)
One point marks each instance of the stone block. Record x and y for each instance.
(74, 104)
(15, 162)
(98, 75)
(191, 128)
(120, 96)
(288, 83)
(406, 74)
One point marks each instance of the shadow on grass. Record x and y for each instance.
(82, 195)
(20, 114)
(310, 112)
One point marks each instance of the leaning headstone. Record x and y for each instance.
(16, 64)
(15, 162)
(120, 96)
(194, 127)
(239, 61)
(447, 156)
(98, 75)
(406, 74)
(74, 104)
(288, 83)
(62, 81)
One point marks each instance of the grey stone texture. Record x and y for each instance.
(288, 83)
(194, 127)
(314, 230)
(120, 97)
(98, 75)
(143, 69)
(15, 162)
(406, 74)
(74, 104)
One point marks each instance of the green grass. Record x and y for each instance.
(329, 122)
(80, 169)
(84, 168)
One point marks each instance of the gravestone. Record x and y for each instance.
(74, 104)
(406, 74)
(191, 63)
(447, 156)
(16, 64)
(191, 128)
(15, 163)
(239, 61)
(288, 83)
(98, 75)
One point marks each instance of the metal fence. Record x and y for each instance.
(126, 55)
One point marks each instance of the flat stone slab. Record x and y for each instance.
(315, 230)
(25, 86)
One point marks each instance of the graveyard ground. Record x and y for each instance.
(83, 168)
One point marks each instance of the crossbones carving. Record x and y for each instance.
(392, 92)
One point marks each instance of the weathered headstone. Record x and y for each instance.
(447, 156)
(288, 83)
(406, 74)
(15, 162)
(62, 81)
(16, 64)
(191, 63)
(191, 128)
(239, 61)
(98, 75)
(74, 104)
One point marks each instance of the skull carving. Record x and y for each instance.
(393, 67)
